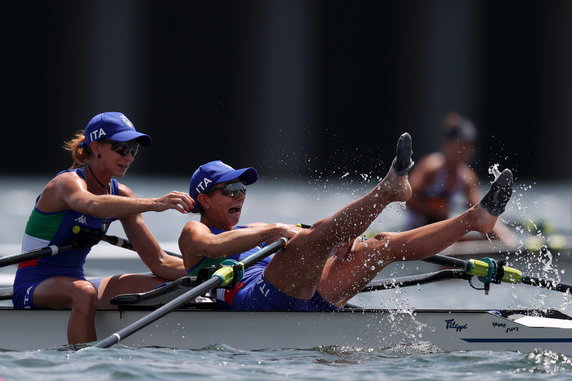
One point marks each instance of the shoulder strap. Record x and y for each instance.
(114, 186)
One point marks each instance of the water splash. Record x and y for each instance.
(494, 170)
(547, 362)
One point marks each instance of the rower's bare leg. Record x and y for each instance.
(297, 269)
(349, 271)
(80, 296)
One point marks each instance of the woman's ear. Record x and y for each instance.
(204, 200)
(95, 147)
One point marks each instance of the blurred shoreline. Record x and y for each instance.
(289, 201)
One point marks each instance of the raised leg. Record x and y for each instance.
(349, 270)
(297, 269)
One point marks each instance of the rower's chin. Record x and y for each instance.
(120, 171)
(234, 216)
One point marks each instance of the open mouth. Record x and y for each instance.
(234, 210)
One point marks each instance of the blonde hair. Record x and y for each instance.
(80, 154)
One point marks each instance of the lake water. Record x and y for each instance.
(294, 202)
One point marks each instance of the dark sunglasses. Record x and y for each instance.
(231, 190)
(123, 148)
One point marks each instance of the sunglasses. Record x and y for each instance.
(231, 190)
(123, 148)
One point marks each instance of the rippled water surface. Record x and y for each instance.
(224, 363)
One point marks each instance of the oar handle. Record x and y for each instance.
(216, 280)
(117, 241)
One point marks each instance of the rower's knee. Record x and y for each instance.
(385, 238)
(311, 236)
(394, 245)
(84, 298)
(386, 244)
(327, 233)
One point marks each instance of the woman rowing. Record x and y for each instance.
(87, 195)
(324, 266)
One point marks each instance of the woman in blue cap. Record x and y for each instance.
(88, 195)
(322, 267)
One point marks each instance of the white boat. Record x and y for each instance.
(190, 328)
(199, 324)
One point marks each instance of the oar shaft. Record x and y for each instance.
(6, 293)
(448, 261)
(117, 241)
(158, 313)
(266, 251)
(414, 280)
(533, 281)
(509, 274)
(34, 254)
(213, 282)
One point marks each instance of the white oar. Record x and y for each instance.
(222, 277)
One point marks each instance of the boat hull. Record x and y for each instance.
(196, 328)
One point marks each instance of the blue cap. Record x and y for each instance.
(216, 172)
(113, 126)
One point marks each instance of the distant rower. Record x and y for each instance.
(440, 177)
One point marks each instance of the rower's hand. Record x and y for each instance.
(180, 201)
(284, 230)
